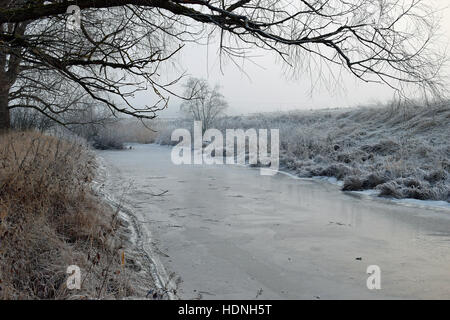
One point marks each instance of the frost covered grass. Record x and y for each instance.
(50, 218)
(403, 151)
(135, 130)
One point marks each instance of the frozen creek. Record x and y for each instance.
(229, 233)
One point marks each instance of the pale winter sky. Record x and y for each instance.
(266, 86)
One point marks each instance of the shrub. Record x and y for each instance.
(436, 176)
(390, 189)
(352, 183)
(373, 180)
(339, 171)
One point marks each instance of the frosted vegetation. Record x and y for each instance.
(399, 151)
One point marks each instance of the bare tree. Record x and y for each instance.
(206, 104)
(121, 44)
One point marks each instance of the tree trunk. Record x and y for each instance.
(9, 71)
(5, 119)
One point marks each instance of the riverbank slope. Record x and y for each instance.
(52, 218)
(398, 151)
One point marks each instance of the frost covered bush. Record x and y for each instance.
(166, 129)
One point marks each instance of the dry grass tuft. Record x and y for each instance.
(50, 219)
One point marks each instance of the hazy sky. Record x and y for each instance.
(265, 86)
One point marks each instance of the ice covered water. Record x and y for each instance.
(229, 232)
